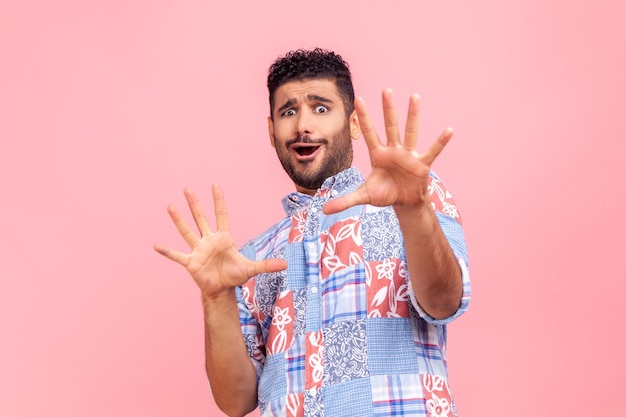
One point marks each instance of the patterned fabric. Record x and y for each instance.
(340, 333)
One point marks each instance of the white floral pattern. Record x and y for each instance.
(443, 201)
(389, 290)
(438, 402)
(341, 246)
(281, 330)
(294, 403)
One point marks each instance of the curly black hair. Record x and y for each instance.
(301, 64)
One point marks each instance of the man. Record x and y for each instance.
(340, 308)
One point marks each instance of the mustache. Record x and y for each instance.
(305, 139)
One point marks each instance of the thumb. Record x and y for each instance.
(338, 204)
(267, 266)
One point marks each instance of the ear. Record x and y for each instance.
(270, 130)
(355, 127)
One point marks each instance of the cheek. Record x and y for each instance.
(282, 133)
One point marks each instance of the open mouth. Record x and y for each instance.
(305, 150)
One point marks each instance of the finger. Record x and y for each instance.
(339, 204)
(197, 212)
(391, 118)
(266, 266)
(182, 226)
(221, 212)
(412, 123)
(367, 127)
(435, 149)
(175, 256)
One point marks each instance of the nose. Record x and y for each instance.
(305, 122)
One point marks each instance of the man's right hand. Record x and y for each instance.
(214, 263)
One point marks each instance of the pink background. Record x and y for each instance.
(109, 108)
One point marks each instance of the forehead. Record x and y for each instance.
(305, 90)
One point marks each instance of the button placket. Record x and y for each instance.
(312, 253)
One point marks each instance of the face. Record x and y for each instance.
(311, 132)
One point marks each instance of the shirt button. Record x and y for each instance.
(314, 290)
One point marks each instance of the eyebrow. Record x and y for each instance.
(310, 97)
(287, 104)
(321, 99)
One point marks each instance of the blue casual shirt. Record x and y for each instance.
(339, 332)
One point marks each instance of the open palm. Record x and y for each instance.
(214, 262)
(399, 176)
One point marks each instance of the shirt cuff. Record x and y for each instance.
(463, 306)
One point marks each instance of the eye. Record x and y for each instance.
(289, 112)
(320, 109)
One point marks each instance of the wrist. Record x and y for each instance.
(220, 297)
(413, 211)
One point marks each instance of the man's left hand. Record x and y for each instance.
(400, 175)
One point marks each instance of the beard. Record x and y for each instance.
(337, 158)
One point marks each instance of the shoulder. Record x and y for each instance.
(265, 243)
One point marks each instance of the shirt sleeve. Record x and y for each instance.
(250, 328)
(463, 306)
(450, 221)
(250, 332)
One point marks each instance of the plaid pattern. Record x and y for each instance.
(398, 395)
(340, 333)
(341, 295)
(296, 357)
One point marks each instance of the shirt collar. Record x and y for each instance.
(332, 186)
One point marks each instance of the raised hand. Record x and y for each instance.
(399, 176)
(214, 262)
